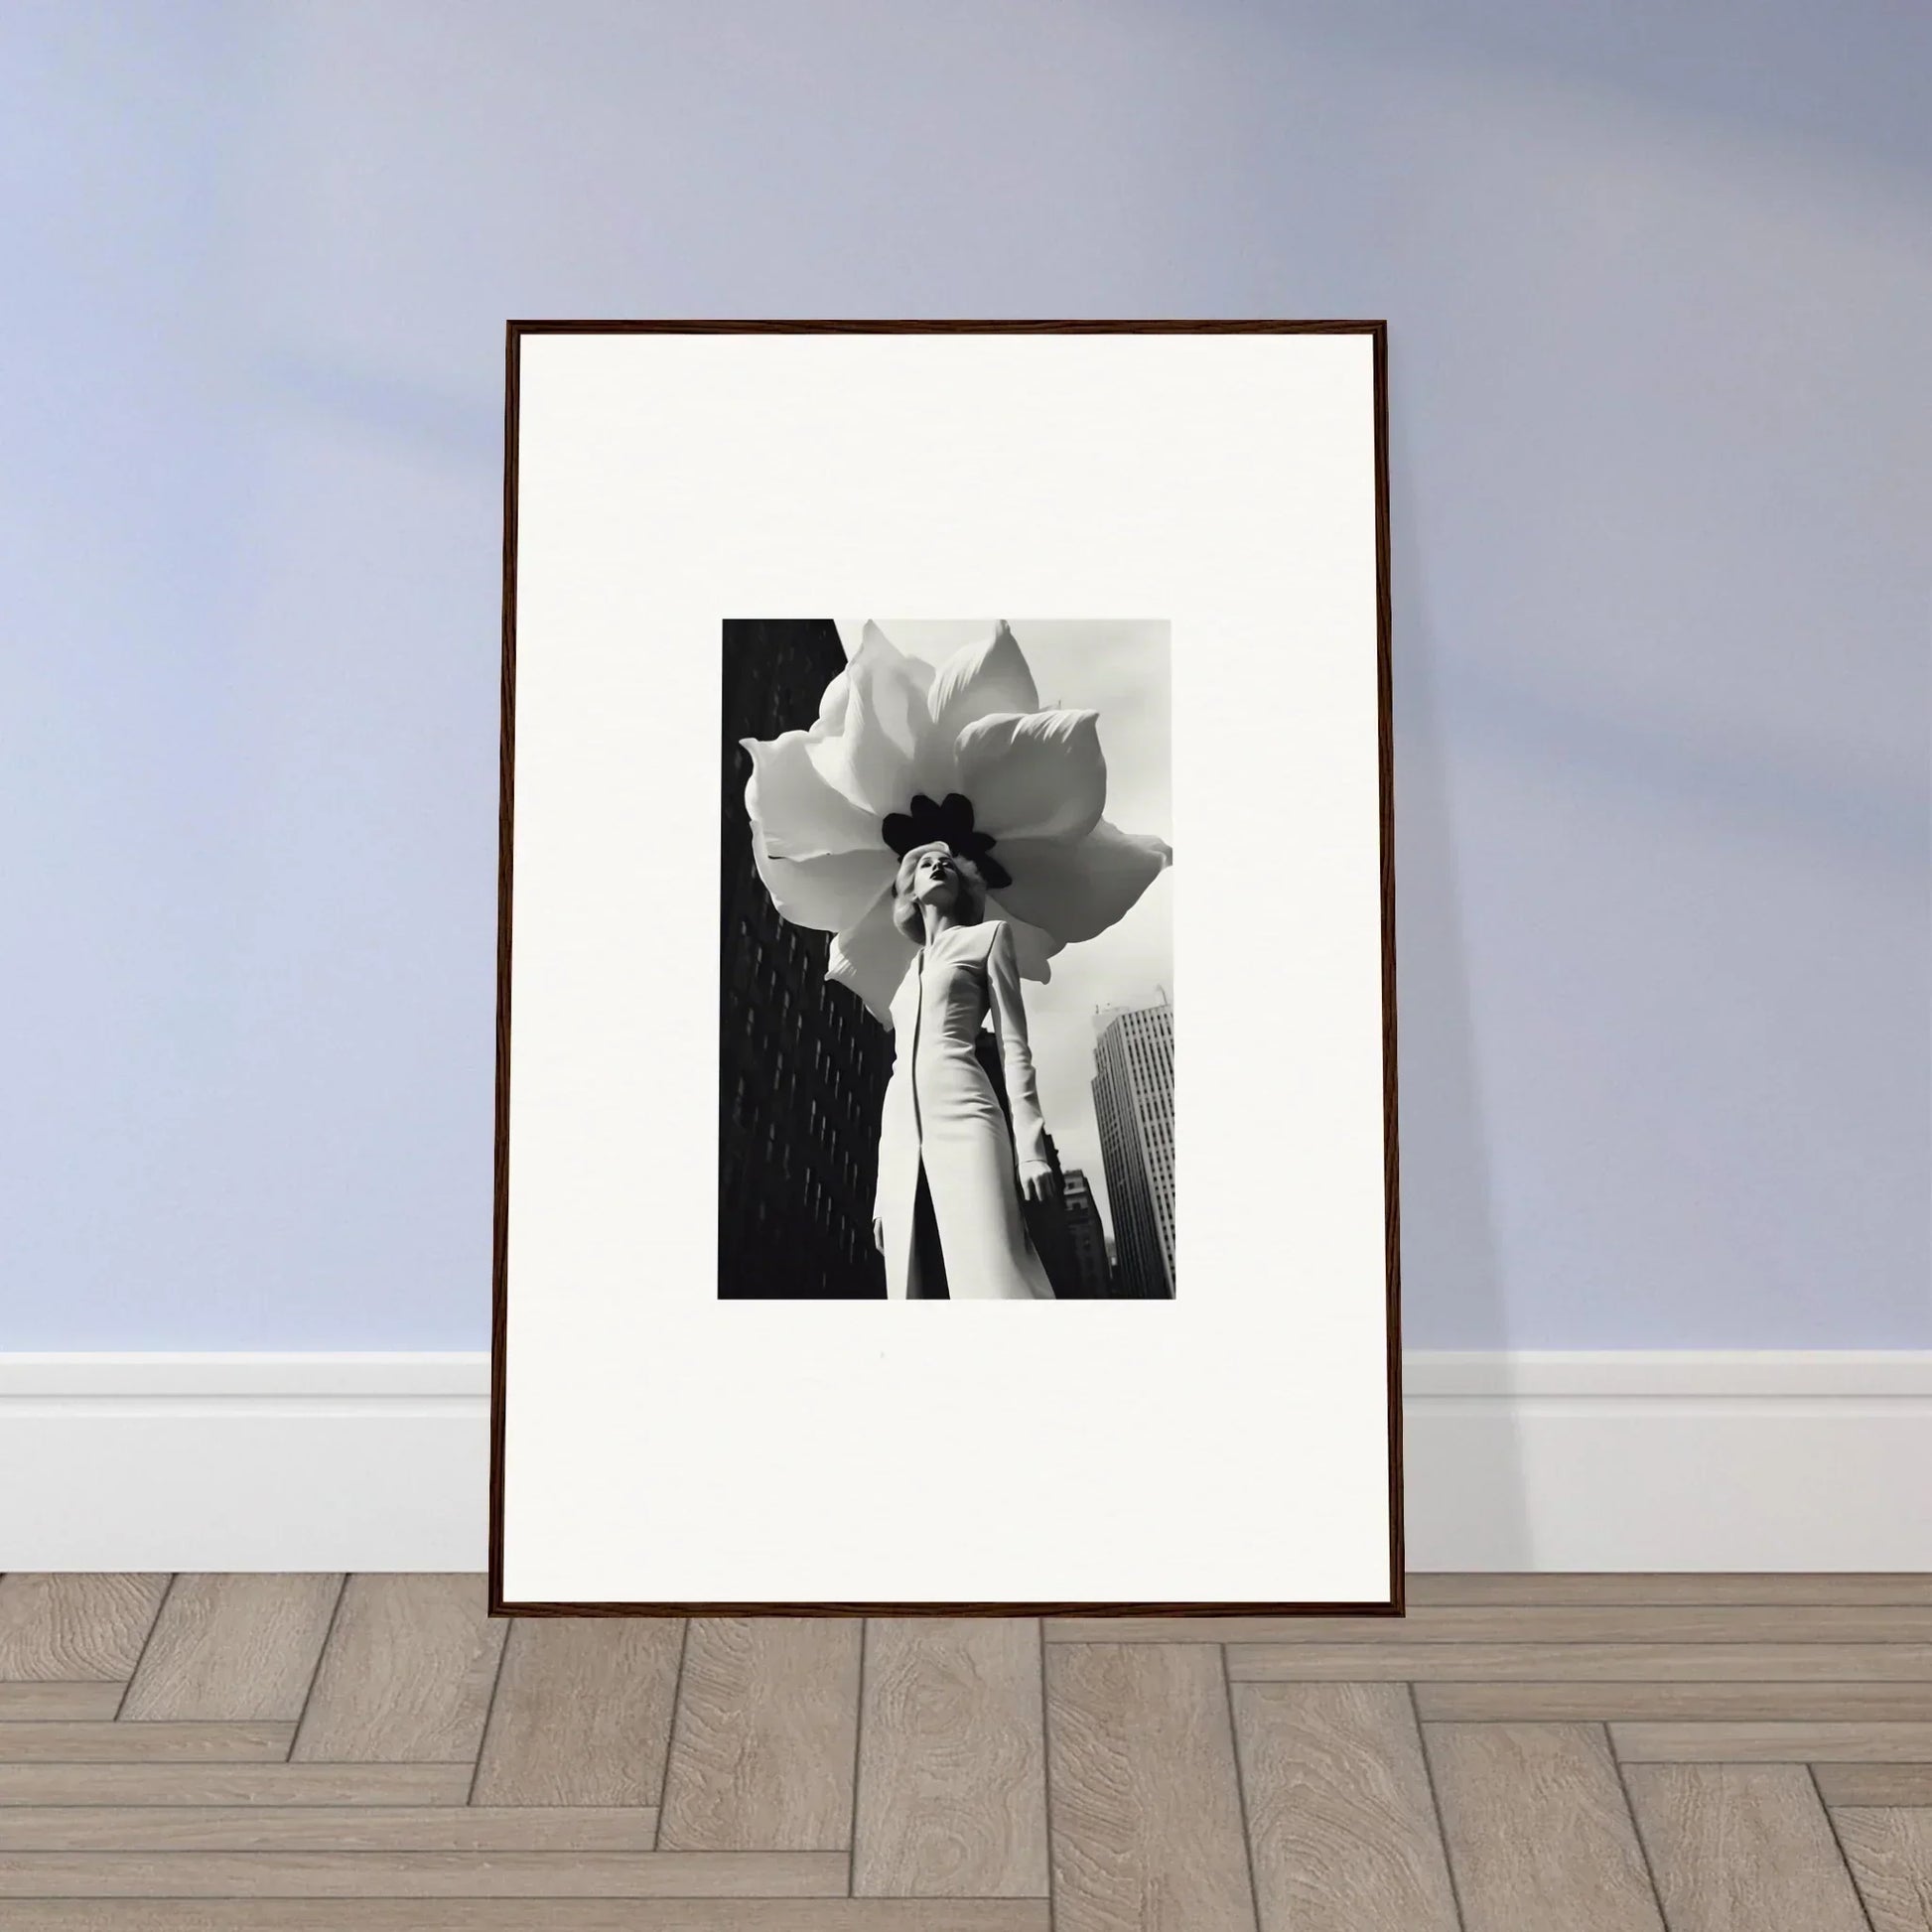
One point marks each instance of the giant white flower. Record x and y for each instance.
(901, 753)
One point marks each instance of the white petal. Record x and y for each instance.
(827, 891)
(870, 957)
(1032, 776)
(871, 633)
(1031, 947)
(973, 683)
(1075, 889)
(793, 809)
(831, 707)
(868, 753)
(915, 667)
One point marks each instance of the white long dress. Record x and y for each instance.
(940, 1110)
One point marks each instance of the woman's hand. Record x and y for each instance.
(1038, 1183)
(879, 1234)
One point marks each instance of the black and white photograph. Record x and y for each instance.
(946, 1024)
(946, 857)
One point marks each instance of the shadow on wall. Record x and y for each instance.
(1450, 1260)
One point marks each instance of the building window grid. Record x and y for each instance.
(1135, 1064)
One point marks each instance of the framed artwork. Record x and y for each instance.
(862, 945)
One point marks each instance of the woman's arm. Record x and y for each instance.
(1015, 1058)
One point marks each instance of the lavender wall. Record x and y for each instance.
(1659, 281)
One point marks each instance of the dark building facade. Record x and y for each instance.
(802, 1066)
(1086, 1236)
(1045, 1222)
(1050, 1233)
(1133, 1104)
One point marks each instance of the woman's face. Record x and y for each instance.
(935, 881)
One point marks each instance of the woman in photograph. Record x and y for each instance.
(947, 1216)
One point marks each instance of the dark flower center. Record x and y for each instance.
(948, 823)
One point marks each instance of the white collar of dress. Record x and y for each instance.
(947, 932)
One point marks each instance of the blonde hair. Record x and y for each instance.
(971, 909)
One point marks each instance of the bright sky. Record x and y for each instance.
(1118, 668)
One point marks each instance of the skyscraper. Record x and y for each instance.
(1085, 1234)
(1132, 1105)
(802, 1066)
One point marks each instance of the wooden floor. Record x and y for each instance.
(1519, 1754)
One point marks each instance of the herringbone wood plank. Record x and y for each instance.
(75, 1626)
(1772, 1744)
(326, 1828)
(550, 1914)
(1623, 1702)
(234, 1647)
(1341, 1822)
(1143, 1791)
(1880, 1785)
(86, 1703)
(1890, 1854)
(583, 1712)
(422, 1875)
(1538, 1833)
(763, 1743)
(272, 1784)
(952, 1771)
(406, 1676)
(1563, 1663)
(153, 1743)
(1742, 1847)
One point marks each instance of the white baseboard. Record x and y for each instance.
(257, 1462)
(1677, 1461)
(1670, 1461)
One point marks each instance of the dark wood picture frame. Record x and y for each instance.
(1377, 331)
